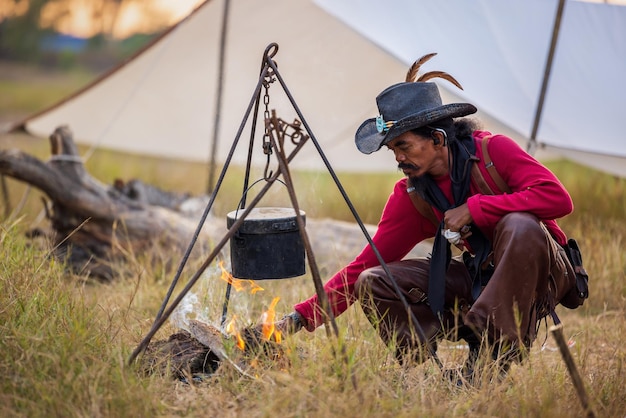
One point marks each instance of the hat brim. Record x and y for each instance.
(369, 140)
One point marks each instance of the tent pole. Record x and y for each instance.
(218, 98)
(532, 144)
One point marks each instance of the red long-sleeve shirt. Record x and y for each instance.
(535, 189)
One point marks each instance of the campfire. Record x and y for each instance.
(202, 348)
(267, 245)
(239, 284)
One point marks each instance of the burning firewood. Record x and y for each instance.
(213, 338)
(204, 348)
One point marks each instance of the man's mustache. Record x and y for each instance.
(402, 166)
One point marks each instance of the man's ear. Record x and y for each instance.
(439, 137)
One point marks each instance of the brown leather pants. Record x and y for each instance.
(531, 276)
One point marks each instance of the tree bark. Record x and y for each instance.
(93, 223)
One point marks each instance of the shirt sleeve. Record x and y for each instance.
(535, 189)
(400, 228)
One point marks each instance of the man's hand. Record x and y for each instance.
(290, 324)
(456, 218)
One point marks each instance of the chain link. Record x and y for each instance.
(267, 145)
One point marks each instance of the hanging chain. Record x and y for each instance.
(275, 125)
(267, 144)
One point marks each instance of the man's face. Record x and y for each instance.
(416, 155)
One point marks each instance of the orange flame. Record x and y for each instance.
(239, 284)
(267, 319)
(231, 328)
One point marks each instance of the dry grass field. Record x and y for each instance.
(66, 340)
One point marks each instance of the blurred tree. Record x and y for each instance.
(29, 30)
(107, 13)
(22, 33)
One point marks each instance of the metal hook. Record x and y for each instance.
(270, 51)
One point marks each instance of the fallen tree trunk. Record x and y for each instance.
(93, 223)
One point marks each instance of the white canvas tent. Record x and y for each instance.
(335, 62)
(162, 102)
(499, 50)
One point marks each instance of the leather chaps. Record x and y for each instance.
(531, 275)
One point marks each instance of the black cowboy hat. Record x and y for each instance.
(405, 106)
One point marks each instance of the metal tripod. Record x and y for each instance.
(274, 139)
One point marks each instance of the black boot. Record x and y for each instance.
(491, 362)
(503, 355)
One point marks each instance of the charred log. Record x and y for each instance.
(180, 356)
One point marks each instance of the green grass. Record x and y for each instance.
(65, 345)
(62, 355)
(22, 94)
(65, 342)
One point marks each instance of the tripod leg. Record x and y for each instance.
(225, 308)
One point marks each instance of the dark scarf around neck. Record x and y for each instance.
(462, 152)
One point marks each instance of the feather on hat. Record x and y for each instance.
(408, 105)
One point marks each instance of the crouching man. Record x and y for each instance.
(468, 188)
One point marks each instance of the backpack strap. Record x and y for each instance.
(479, 180)
(477, 175)
(422, 206)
